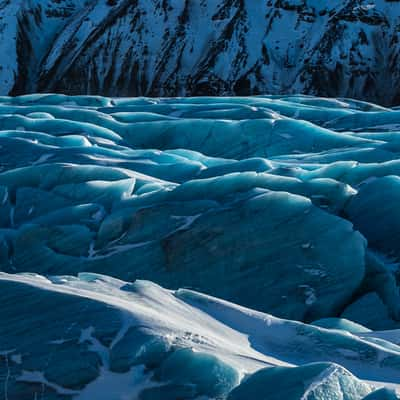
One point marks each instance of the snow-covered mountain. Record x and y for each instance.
(186, 47)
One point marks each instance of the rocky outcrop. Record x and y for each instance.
(341, 48)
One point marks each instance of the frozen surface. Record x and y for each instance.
(284, 205)
(103, 338)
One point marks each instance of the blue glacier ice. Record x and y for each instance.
(328, 381)
(96, 337)
(269, 205)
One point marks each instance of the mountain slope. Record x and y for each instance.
(170, 47)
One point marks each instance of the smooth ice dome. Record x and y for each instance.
(286, 206)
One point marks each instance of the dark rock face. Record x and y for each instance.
(175, 48)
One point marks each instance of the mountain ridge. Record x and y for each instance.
(182, 48)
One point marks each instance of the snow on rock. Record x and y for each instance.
(175, 48)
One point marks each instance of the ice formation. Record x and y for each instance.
(95, 337)
(285, 205)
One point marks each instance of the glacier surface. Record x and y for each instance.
(284, 205)
(96, 337)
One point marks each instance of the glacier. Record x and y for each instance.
(119, 340)
(199, 248)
